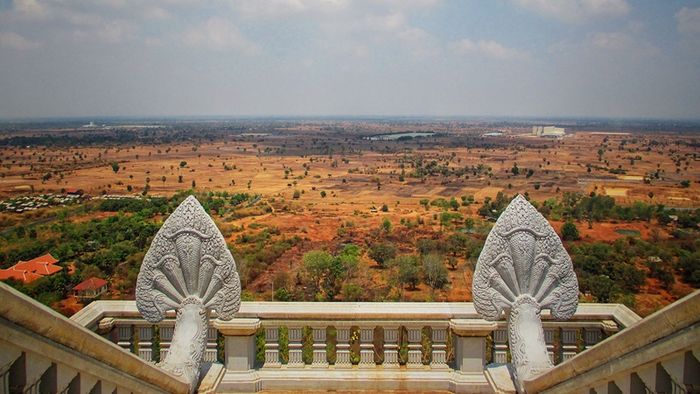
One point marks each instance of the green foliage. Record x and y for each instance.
(569, 232)
(434, 271)
(386, 225)
(382, 252)
(326, 272)
(607, 271)
(408, 270)
(494, 208)
(689, 264)
(352, 292)
(447, 218)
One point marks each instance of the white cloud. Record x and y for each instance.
(688, 20)
(576, 10)
(30, 8)
(15, 41)
(487, 48)
(218, 34)
(283, 8)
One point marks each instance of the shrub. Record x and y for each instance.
(434, 272)
(569, 232)
(382, 252)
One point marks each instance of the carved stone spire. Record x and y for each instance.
(189, 269)
(523, 269)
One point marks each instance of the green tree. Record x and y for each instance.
(326, 273)
(352, 292)
(386, 225)
(425, 203)
(408, 271)
(569, 232)
(382, 252)
(434, 272)
(115, 167)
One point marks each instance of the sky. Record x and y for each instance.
(516, 58)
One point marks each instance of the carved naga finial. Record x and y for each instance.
(523, 269)
(190, 270)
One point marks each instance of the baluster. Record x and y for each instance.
(272, 348)
(549, 342)
(145, 351)
(26, 372)
(592, 336)
(391, 347)
(319, 347)
(166, 336)
(439, 359)
(568, 343)
(210, 353)
(367, 347)
(342, 357)
(124, 336)
(414, 347)
(500, 346)
(64, 376)
(295, 347)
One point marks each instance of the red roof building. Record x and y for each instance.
(29, 271)
(90, 288)
(20, 275)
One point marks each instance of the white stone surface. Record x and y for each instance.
(47, 336)
(654, 348)
(189, 269)
(524, 268)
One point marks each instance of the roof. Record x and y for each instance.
(92, 283)
(47, 258)
(38, 268)
(29, 271)
(19, 274)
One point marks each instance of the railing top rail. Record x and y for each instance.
(319, 311)
(41, 320)
(660, 324)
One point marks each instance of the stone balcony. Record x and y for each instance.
(604, 348)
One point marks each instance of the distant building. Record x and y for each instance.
(29, 271)
(90, 288)
(548, 131)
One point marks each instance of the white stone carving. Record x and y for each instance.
(188, 268)
(523, 269)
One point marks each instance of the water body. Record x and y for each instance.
(393, 137)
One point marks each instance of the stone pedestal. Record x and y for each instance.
(239, 342)
(470, 344)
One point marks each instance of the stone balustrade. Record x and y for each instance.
(658, 354)
(359, 346)
(44, 352)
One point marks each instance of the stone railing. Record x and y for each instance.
(359, 346)
(44, 352)
(656, 355)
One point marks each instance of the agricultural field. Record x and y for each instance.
(357, 210)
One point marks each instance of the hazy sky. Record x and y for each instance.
(618, 58)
